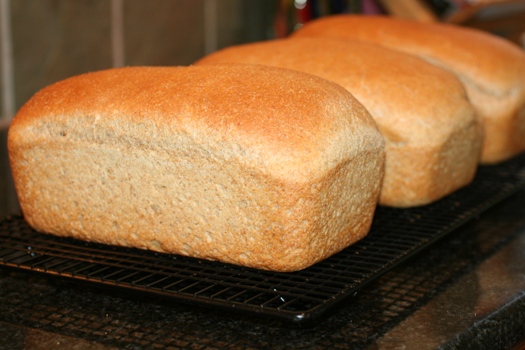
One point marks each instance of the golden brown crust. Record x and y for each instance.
(238, 163)
(421, 110)
(492, 69)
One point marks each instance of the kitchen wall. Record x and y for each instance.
(43, 41)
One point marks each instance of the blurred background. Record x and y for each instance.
(43, 41)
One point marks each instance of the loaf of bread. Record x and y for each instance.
(433, 137)
(492, 68)
(256, 166)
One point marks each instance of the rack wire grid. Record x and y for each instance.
(396, 234)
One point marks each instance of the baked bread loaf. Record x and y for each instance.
(433, 137)
(256, 166)
(492, 68)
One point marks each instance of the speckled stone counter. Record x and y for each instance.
(467, 291)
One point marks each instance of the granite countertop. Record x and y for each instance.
(467, 291)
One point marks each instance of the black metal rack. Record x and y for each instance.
(305, 295)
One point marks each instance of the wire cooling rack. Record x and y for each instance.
(396, 234)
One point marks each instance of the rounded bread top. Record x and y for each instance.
(283, 118)
(492, 63)
(403, 93)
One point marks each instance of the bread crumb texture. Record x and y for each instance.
(245, 164)
(433, 135)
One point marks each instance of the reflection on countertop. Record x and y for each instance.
(482, 298)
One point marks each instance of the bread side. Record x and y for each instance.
(433, 137)
(491, 68)
(256, 166)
